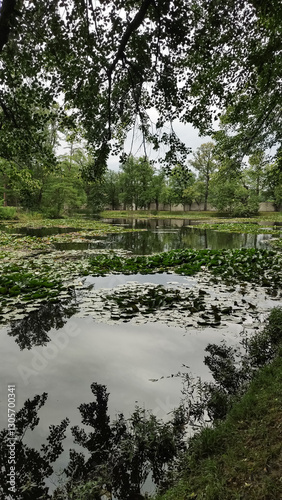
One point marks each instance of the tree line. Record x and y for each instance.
(205, 180)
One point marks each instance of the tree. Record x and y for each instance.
(121, 455)
(190, 60)
(205, 163)
(156, 187)
(255, 175)
(135, 181)
(274, 180)
(180, 180)
(63, 190)
(112, 188)
(32, 466)
(229, 194)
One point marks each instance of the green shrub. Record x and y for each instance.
(8, 213)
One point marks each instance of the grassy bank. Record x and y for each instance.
(242, 457)
(263, 216)
(144, 214)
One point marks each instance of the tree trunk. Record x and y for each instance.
(5, 195)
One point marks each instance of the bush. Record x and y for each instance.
(245, 209)
(8, 213)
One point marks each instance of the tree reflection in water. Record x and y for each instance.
(119, 457)
(31, 466)
(33, 329)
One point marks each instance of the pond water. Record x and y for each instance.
(163, 235)
(61, 348)
(157, 235)
(131, 333)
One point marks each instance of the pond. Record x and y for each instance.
(155, 235)
(163, 235)
(131, 333)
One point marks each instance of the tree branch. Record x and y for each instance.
(133, 26)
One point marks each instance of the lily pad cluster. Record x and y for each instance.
(15, 281)
(13, 238)
(240, 227)
(247, 264)
(206, 304)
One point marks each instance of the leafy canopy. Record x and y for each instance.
(108, 63)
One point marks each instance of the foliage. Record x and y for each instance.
(112, 186)
(232, 371)
(249, 264)
(32, 466)
(205, 163)
(135, 182)
(8, 213)
(63, 192)
(239, 457)
(16, 281)
(157, 187)
(274, 180)
(180, 182)
(188, 61)
(255, 175)
(122, 453)
(230, 195)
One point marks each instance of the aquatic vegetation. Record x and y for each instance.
(17, 281)
(259, 266)
(276, 243)
(240, 227)
(75, 223)
(219, 217)
(19, 238)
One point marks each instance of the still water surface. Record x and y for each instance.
(162, 235)
(61, 349)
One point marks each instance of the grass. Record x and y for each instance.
(240, 458)
(240, 227)
(263, 216)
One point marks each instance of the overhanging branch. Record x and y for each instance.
(131, 28)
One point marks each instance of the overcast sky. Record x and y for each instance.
(187, 133)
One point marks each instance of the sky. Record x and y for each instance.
(187, 133)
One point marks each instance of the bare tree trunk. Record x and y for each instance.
(5, 195)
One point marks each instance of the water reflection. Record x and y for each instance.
(161, 235)
(158, 239)
(33, 329)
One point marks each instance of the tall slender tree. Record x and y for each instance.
(205, 163)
